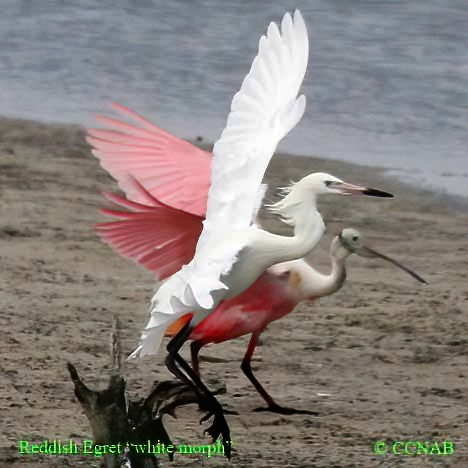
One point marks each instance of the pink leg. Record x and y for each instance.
(247, 369)
(195, 347)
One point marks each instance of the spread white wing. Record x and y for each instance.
(264, 110)
(262, 113)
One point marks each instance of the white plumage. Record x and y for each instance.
(264, 110)
(232, 252)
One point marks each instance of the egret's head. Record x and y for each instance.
(303, 193)
(322, 183)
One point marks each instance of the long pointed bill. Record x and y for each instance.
(371, 253)
(350, 189)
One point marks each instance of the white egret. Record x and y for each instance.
(232, 251)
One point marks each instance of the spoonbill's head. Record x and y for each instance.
(351, 240)
(322, 183)
(345, 244)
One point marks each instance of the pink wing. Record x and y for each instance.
(155, 235)
(173, 170)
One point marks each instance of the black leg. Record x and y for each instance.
(207, 399)
(173, 348)
(195, 347)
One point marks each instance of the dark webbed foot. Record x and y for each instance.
(207, 400)
(275, 408)
(219, 427)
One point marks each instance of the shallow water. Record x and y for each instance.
(387, 83)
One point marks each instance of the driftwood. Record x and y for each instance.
(122, 424)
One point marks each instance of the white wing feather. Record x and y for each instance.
(264, 110)
(262, 113)
(258, 203)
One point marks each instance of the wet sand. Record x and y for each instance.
(385, 358)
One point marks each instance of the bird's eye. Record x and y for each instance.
(355, 238)
(328, 183)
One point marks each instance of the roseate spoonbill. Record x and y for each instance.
(275, 294)
(232, 252)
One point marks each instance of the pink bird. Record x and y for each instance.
(166, 181)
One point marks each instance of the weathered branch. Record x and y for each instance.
(115, 420)
(115, 347)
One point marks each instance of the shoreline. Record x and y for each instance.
(454, 201)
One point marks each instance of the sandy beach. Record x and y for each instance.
(384, 359)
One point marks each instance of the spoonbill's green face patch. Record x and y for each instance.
(351, 239)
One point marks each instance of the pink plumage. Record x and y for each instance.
(268, 299)
(171, 169)
(155, 235)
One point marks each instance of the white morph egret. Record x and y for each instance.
(232, 252)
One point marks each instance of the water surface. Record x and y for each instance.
(387, 83)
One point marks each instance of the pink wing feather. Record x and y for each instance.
(172, 170)
(155, 235)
